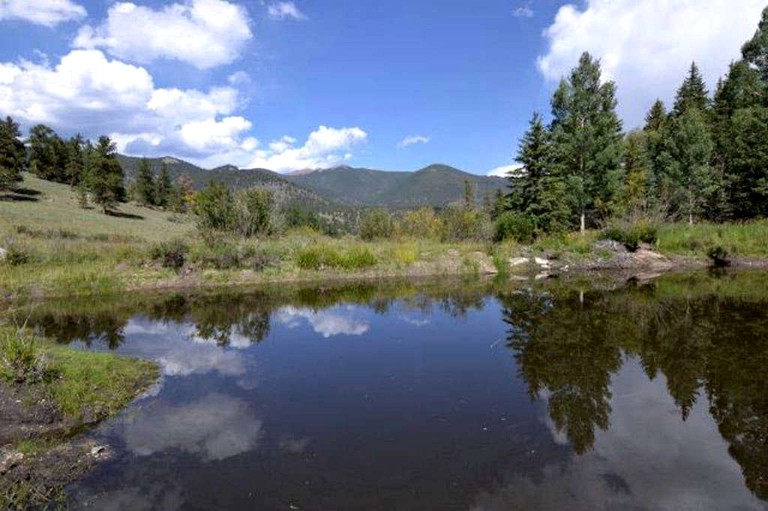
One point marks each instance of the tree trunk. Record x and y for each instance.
(690, 218)
(583, 223)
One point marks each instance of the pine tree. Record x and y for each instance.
(692, 93)
(106, 177)
(587, 140)
(538, 192)
(689, 171)
(755, 51)
(656, 118)
(164, 187)
(470, 191)
(12, 153)
(145, 184)
(636, 193)
(75, 157)
(656, 141)
(43, 158)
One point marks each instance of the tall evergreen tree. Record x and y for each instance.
(106, 179)
(538, 191)
(43, 157)
(755, 51)
(12, 153)
(145, 184)
(655, 130)
(636, 193)
(689, 170)
(470, 191)
(164, 187)
(75, 158)
(587, 139)
(692, 93)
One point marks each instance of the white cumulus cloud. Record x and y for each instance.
(285, 10)
(325, 147)
(647, 46)
(88, 92)
(413, 140)
(504, 170)
(203, 33)
(41, 12)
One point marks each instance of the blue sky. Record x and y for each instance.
(394, 85)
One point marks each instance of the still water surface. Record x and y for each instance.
(466, 396)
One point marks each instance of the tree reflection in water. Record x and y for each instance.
(569, 344)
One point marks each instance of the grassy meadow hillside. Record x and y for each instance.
(43, 207)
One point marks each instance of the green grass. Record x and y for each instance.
(56, 210)
(101, 383)
(742, 240)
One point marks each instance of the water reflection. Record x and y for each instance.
(644, 389)
(215, 427)
(569, 344)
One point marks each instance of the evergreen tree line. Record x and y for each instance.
(92, 169)
(705, 159)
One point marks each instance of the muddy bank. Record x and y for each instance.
(42, 447)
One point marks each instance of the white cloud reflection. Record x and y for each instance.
(215, 428)
(328, 323)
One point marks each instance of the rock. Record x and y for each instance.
(544, 263)
(3, 254)
(542, 276)
(9, 460)
(485, 265)
(518, 261)
(96, 450)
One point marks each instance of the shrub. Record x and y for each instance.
(21, 361)
(376, 224)
(214, 207)
(171, 254)
(515, 226)
(223, 256)
(253, 210)
(15, 253)
(632, 234)
(465, 224)
(316, 257)
(319, 256)
(357, 258)
(421, 224)
(719, 256)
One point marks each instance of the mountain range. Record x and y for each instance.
(345, 187)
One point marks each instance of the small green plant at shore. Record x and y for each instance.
(318, 257)
(21, 361)
(631, 235)
(719, 256)
(171, 254)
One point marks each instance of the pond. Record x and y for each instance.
(472, 395)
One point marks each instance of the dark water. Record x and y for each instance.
(468, 395)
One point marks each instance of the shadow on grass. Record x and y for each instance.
(120, 214)
(16, 196)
